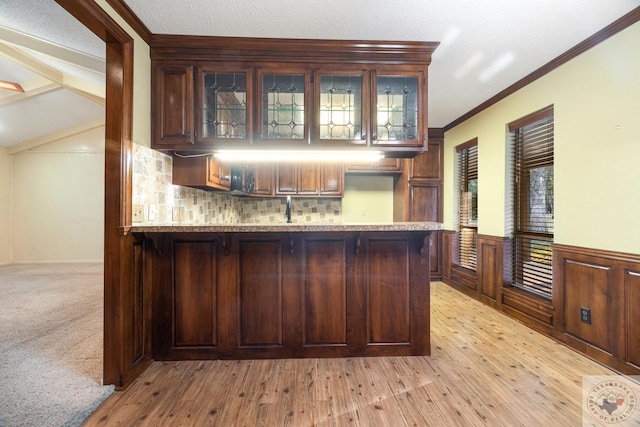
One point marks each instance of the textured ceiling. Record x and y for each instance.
(486, 45)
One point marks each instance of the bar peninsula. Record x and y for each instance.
(250, 291)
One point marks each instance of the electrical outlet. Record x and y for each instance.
(364, 211)
(138, 213)
(585, 315)
(176, 214)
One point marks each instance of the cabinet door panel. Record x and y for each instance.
(399, 98)
(173, 110)
(261, 294)
(263, 180)
(286, 179)
(308, 178)
(342, 106)
(428, 165)
(331, 180)
(388, 291)
(195, 314)
(425, 200)
(283, 104)
(325, 300)
(223, 100)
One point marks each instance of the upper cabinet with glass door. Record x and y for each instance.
(223, 114)
(341, 107)
(370, 107)
(400, 110)
(211, 93)
(283, 107)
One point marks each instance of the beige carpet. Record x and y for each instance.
(51, 320)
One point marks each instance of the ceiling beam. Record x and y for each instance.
(88, 90)
(32, 87)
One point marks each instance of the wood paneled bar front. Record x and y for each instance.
(289, 290)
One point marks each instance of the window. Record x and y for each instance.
(467, 178)
(533, 205)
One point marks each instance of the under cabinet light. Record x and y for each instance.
(298, 155)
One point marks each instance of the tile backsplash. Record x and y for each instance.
(157, 201)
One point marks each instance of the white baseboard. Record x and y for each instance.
(84, 261)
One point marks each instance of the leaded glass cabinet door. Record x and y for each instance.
(342, 107)
(398, 119)
(224, 97)
(283, 112)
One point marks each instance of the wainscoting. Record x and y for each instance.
(604, 285)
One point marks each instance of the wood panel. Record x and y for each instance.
(263, 180)
(140, 337)
(261, 293)
(632, 316)
(308, 178)
(290, 295)
(173, 112)
(286, 180)
(195, 294)
(490, 271)
(605, 282)
(586, 285)
(387, 292)
(325, 300)
(447, 237)
(331, 180)
(428, 165)
(533, 311)
(425, 205)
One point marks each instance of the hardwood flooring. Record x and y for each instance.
(485, 369)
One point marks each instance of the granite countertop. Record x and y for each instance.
(282, 227)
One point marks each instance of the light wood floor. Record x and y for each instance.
(485, 369)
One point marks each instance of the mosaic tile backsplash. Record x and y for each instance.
(156, 201)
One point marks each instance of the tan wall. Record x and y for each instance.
(373, 194)
(596, 99)
(58, 201)
(5, 206)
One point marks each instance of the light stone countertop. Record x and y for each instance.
(284, 228)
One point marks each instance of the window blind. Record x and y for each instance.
(533, 210)
(467, 159)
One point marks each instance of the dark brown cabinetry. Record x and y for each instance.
(223, 112)
(418, 193)
(307, 93)
(309, 179)
(263, 180)
(306, 294)
(201, 172)
(172, 109)
(382, 166)
(371, 105)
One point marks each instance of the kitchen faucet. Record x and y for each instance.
(288, 210)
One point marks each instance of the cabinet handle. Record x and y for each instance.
(374, 137)
(364, 136)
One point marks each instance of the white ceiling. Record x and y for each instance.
(486, 45)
